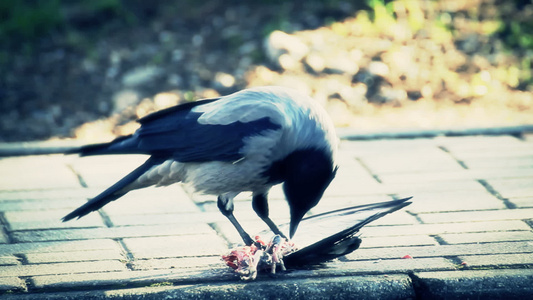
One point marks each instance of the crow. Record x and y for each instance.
(247, 141)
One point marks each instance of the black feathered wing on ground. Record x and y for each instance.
(328, 242)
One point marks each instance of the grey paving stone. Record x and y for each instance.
(175, 246)
(524, 162)
(431, 159)
(395, 241)
(337, 202)
(469, 216)
(522, 202)
(517, 187)
(181, 262)
(11, 284)
(442, 250)
(171, 199)
(63, 246)
(503, 172)
(46, 194)
(41, 204)
(494, 150)
(380, 266)
(110, 233)
(475, 284)
(397, 218)
(47, 172)
(135, 278)
(47, 219)
(434, 229)
(454, 201)
(62, 268)
(73, 256)
(175, 219)
(498, 259)
(96, 170)
(414, 188)
(487, 237)
(9, 260)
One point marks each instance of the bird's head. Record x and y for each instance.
(307, 174)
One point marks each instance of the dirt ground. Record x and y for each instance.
(434, 65)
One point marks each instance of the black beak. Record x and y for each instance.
(295, 221)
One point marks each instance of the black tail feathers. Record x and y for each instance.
(114, 192)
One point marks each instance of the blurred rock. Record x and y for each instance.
(125, 99)
(279, 43)
(224, 80)
(141, 75)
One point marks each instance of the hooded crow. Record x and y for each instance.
(247, 141)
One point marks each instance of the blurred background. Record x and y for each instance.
(87, 69)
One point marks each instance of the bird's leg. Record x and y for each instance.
(260, 206)
(225, 205)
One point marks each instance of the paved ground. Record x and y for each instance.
(469, 229)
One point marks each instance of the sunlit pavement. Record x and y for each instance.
(468, 231)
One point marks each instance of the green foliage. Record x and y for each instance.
(22, 21)
(28, 19)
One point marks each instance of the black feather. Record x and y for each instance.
(343, 242)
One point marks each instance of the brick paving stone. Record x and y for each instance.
(74, 256)
(385, 266)
(181, 262)
(487, 237)
(498, 259)
(62, 246)
(11, 284)
(522, 202)
(339, 202)
(430, 159)
(468, 216)
(47, 219)
(466, 174)
(96, 170)
(414, 188)
(46, 172)
(110, 233)
(441, 250)
(522, 150)
(62, 268)
(169, 219)
(47, 194)
(396, 241)
(525, 163)
(171, 199)
(175, 246)
(454, 201)
(509, 188)
(432, 229)
(42, 204)
(9, 260)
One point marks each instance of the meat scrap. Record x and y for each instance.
(247, 261)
